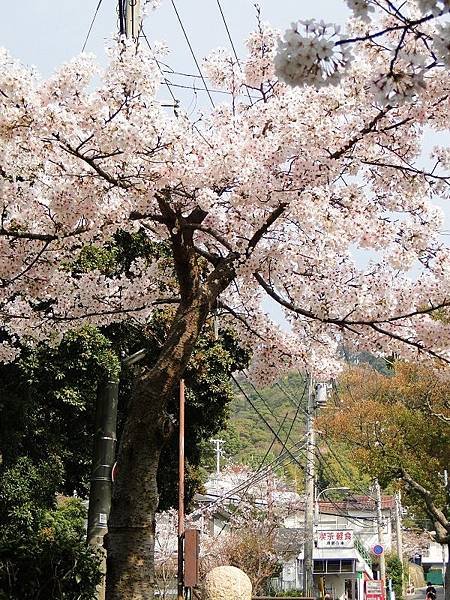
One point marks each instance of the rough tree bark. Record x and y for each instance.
(130, 540)
(131, 526)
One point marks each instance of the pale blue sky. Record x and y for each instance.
(48, 32)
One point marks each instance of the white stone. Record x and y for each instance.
(227, 583)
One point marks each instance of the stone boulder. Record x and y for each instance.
(227, 583)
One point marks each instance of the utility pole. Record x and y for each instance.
(102, 464)
(130, 18)
(133, 19)
(380, 527)
(218, 444)
(180, 575)
(399, 533)
(308, 560)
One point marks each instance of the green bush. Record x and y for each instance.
(394, 571)
(43, 553)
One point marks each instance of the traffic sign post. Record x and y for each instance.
(377, 549)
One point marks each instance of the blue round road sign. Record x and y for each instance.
(377, 549)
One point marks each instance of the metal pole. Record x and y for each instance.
(308, 561)
(102, 464)
(122, 26)
(380, 528)
(181, 494)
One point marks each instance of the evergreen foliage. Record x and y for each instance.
(394, 571)
(43, 553)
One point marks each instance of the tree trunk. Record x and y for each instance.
(131, 526)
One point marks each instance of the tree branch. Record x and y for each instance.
(436, 514)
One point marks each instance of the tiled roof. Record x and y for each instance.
(360, 503)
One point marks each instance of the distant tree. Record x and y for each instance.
(394, 571)
(394, 427)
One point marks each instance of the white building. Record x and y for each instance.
(345, 533)
(434, 562)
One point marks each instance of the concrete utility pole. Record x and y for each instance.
(102, 464)
(102, 460)
(399, 532)
(133, 18)
(218, 444)
(398, 525)
(380, 527)
(180, 577)
(308, 560)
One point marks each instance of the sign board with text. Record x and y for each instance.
(374, 590)
(335, 539)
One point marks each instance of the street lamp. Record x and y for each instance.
(316, 505)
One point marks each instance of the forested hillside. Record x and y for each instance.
(267, 426)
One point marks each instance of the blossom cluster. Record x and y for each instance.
(315, 196)
(362, 9)
(308, 54)
(435, 7)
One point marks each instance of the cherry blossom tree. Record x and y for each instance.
(267, 198)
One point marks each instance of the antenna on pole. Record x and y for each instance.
(218, 444)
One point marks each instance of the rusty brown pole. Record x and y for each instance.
(181, 495)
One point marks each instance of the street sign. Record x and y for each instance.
(374, 587)
(377, 549)
(374, 590)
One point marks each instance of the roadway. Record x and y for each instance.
(419, 593)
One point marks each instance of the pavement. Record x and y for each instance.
(419, 593)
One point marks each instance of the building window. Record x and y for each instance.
(322, 567)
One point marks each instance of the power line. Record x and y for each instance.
(165, 80)
(192, 51)
(283, 459)
(341, 511)
(296, 414)
(274, 439)
(91, 25)
(231, 42)
(195, 89)
(262, 399)
(263, 418)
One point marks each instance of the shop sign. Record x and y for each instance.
(335, 539)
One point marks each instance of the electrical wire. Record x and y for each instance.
(262, 417)
(274, 439)
(227, 29)
(206, 89)
(296, 414)
(91, 25)
(341, 511)
(261, 398)
(283, 460)
(165, 80)
(192, 51)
